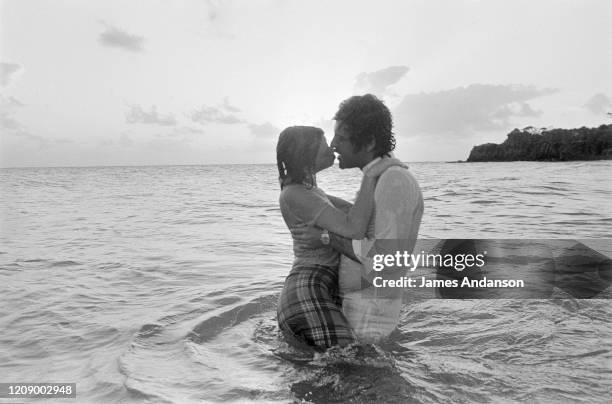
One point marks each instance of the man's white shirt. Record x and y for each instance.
(398, 208)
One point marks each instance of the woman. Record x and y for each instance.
(309, 309)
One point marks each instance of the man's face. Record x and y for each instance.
(342, 145)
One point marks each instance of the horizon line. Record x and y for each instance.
(194, 164)
(190, 165)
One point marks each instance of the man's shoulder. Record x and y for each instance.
(397, 173)
(397, 184)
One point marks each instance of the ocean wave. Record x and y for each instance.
(67, 263)
(213, 326)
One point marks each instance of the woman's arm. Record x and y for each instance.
(340, 203)
(353, 224)
(315, 209)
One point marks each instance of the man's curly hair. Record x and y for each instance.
(367, 117)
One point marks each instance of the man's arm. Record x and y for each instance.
(342, 245)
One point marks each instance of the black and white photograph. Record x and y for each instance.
(284, 201)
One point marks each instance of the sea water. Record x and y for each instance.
(159, 284)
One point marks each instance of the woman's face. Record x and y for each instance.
(325, 156)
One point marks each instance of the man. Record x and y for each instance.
(363, 136)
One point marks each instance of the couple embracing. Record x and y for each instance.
(329, 298)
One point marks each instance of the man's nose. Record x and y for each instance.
(333, 144)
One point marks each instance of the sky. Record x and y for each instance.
(107, 82)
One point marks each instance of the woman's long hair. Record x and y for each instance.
(296, 153)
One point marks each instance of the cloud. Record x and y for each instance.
(7, 121)
(213, 10)
(117, 38)
(598, 104)
(184, 131)
(10, 125)
(8, 72)
(188, 130)
(206, 115)
(378, 81)
(216, 18)
(460, 110)
(138, 115)
(63, 140)
(264, 130)
(229, 107)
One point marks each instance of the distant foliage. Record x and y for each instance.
(542, 144)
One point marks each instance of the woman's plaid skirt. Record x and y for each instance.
(309, 308)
